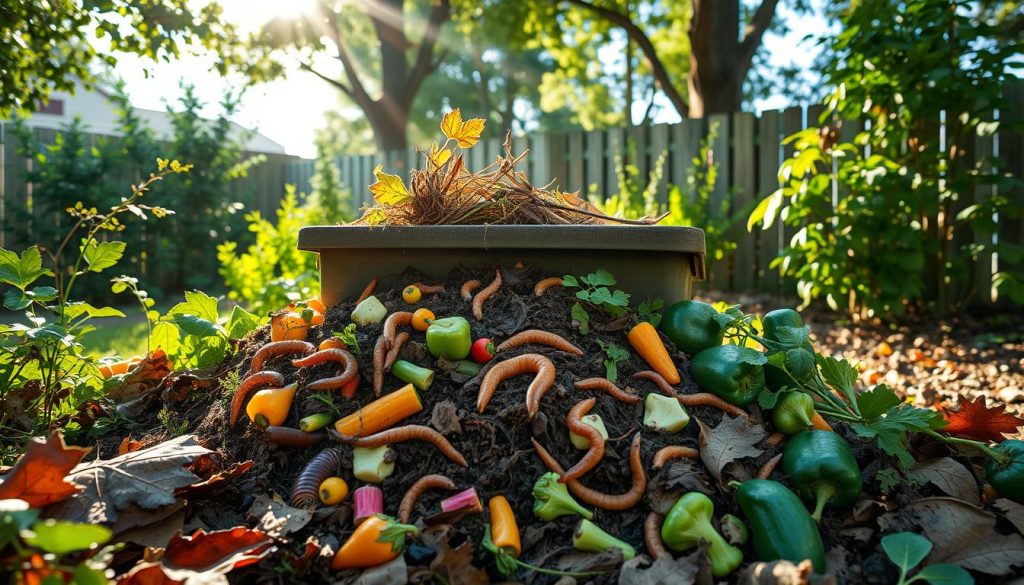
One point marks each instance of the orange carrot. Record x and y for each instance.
(468, 288)
(370, 287)
(377, 540)
(819, 422)
(543, 286)
(118, 368)
(528, 362)
(536, 336)
(486, 293)
(250, 383)
(382, 413)
(646, 341)
(504, 529)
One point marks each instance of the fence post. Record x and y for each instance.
(1011, 151)
(719, 270)
(744, 269)
(769, 242)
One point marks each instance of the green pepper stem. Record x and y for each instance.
(1000, 458)
(823, 492)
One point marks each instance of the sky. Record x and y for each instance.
(289, 111)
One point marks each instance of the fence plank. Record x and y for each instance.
(614, 146)
(660, 135)
(1011, 152)
(792, 122)
(769, 242)
(743, 186)
(719, 271)
(595, 164)
(574, 163)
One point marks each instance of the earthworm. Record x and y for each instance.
(607, 387)
(306, 491)
(487, 292)
(427, 482)
(406, 433)
(596, 451)
(613, 502)
(699, 399)
(528, 362)
(276, 348)
(652, 536)
(542, 286)
(775, 438)
(468, 287)
(708, 399)
(768, 467)
(250, 383)
(666, 454)
(392, 354)
(540, 338)
(428, 289)
(293, 437)
(370, 287)
(391, 325)
(336, 355)
(379, 351)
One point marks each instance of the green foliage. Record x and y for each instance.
(613, 356)
(348, 335)
(67, 546)
(42, 365)
(272, 272)
(916, 197)
(906, 550)
(594, 294)
(648, 310)
(194, 335)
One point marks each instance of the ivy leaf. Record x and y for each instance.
(24, 270)
(974, 420)
(389, 189)
(465, 133)
(101, 255)
(876, 402)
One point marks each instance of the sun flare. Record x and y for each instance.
(250, 15)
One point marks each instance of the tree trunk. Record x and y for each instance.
(718, 64)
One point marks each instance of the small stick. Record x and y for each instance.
(370, 287)
(486, 293)
(672, 452)
(427, 482)
(542, 286)
(293, 437)
(607, 387)
(652, 536)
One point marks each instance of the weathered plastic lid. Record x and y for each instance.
(647, 238)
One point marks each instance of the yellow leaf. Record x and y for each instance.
(375, 217)
(389, 189)
(451, 123)
(466, 133)
(438, 156)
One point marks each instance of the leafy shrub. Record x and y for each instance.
(272, 271)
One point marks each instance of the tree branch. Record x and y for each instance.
(355, 90)
(440, 13)
(754, 33)
(638, 36)
(337, 84)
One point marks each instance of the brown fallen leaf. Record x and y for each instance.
(40, 475)
(665, 570)
(782, 573)
(147, 574)
(217, 552)
(393, 573)
(453, 564)
(732, 439)
(949, 476)
(445, 418)
(1013, 511)
(963, 534)
(215, 481)
(147, 478)
(128, 445)
(974, 420)
(143, 376)
(277, 518)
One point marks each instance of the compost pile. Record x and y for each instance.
(250, 480)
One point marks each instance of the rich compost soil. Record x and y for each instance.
(497, 445)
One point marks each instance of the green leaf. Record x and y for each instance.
(601, 296)
(76, 309)
(620, 299)
(24, 270)
(348, 335)
(876, 402)
(614, 354)
(241, 323)
(600, 278)
(768, 399)
(905, 549)
(59, 538)
(945, 574)
(799, 360)
(102, 255)
(193, 325)
(839, 374)
(793, 336)
(582, 317)
(86, 575)
(750, 356)
(197, 303)
(569, 280)
(166, 336)
(16, 300)
(42, 294)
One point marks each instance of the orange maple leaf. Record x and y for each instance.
(218, 552)
(38, 477)
(974, 420)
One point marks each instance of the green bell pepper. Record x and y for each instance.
(449, 338)
(1007, 475)
(793, 412)
(780, 526)
(689, 522)
(779, 318)
(692, 326)
(776, 378)
(821, 465)
(733, 373)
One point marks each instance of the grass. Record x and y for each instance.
(122, 337)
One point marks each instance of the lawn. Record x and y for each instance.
(123, 337)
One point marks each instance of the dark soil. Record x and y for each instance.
(496, 444)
